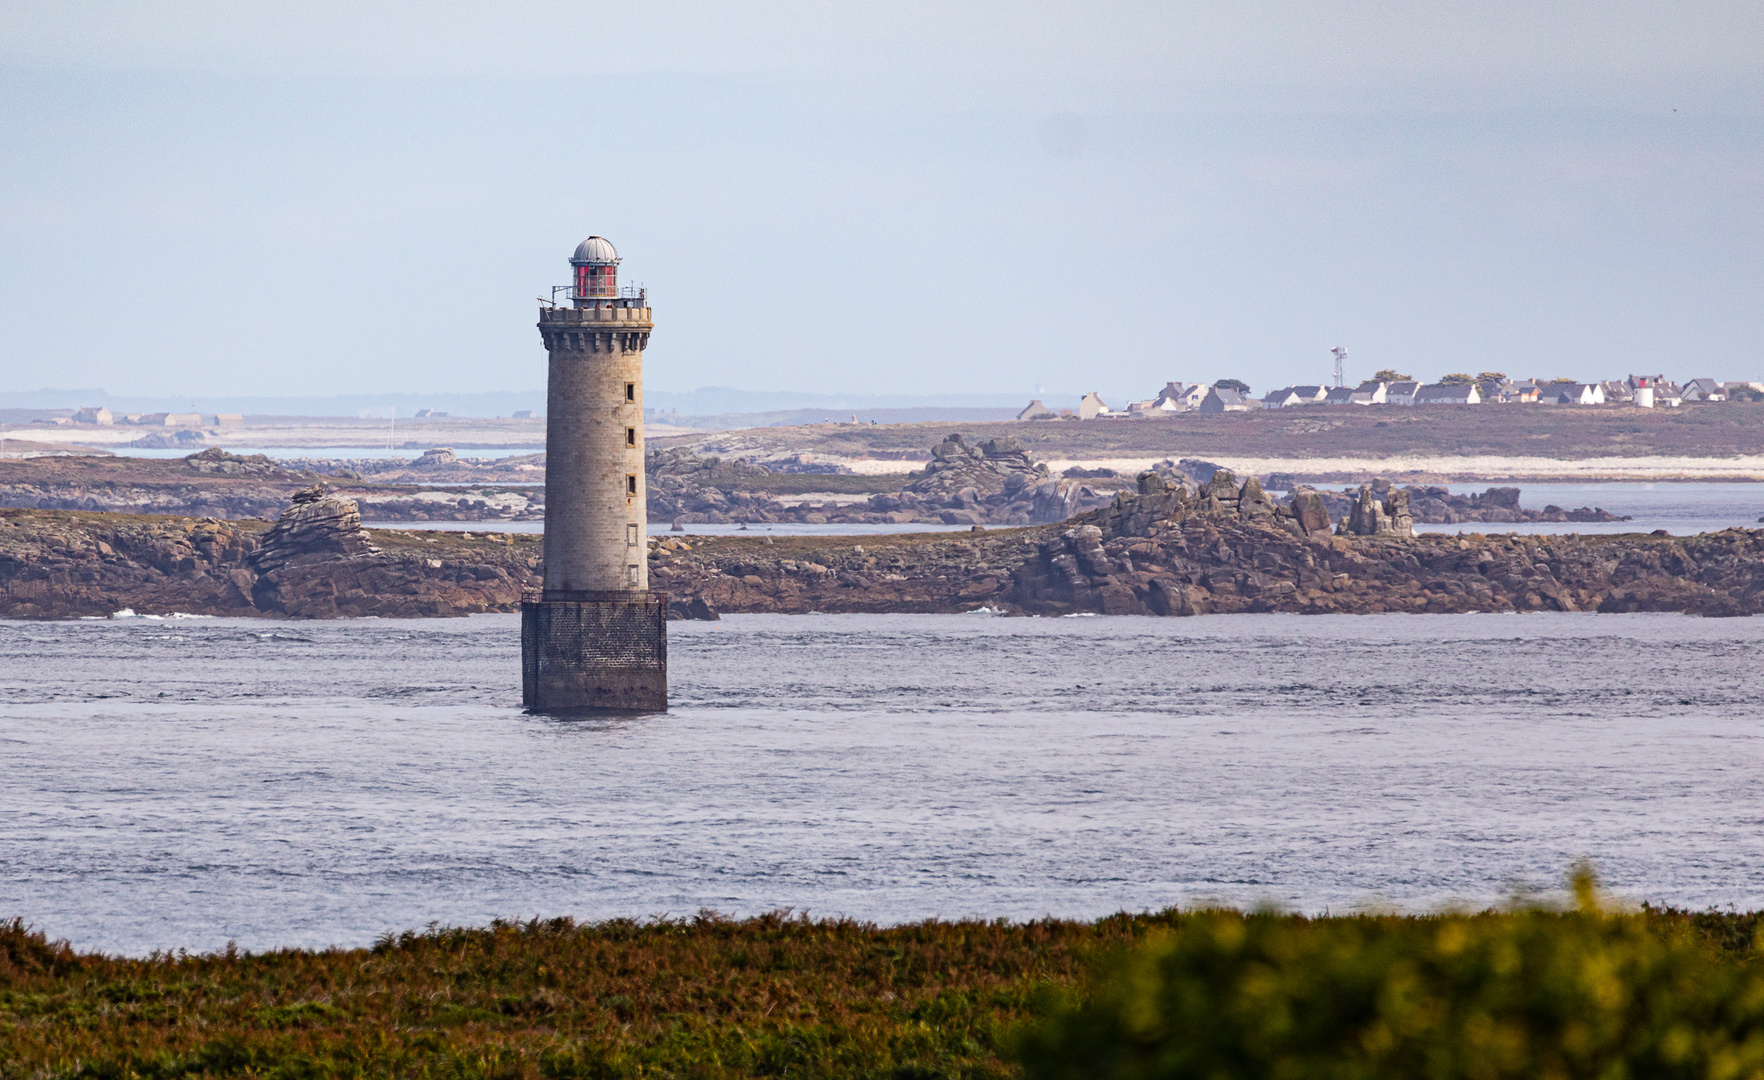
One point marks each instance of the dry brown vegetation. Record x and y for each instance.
(1560, 431)
(703, 997)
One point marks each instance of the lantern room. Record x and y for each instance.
(596, 264)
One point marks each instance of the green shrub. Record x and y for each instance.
(1534, 994)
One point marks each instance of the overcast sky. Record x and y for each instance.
(206, 198)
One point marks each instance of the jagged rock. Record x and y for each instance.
(1198, 472)
(1310, 513)
(1150, 483)
(986, 468)
(1372, 516)
(1438, 506)
(1252, 500)
(438, 457)
(1396, 507)
(318, 526)
(1223, 487)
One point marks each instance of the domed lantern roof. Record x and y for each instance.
(595, 251)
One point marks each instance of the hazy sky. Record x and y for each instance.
(241, 198)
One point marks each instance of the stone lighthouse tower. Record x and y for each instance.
(597, 638)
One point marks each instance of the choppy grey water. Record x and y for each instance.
(186, 782)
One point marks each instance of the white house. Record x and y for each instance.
(1282, 398)
(1169, 399)
(1448, 394)
(1355, 395)
(1035, 410)
(1401, 392)
(94, 414)
(1571, 393)
(1703, 390)
(1091, 406)
(1193, 395)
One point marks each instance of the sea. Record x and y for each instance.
(182, 783)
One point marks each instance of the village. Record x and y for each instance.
(1391, 388)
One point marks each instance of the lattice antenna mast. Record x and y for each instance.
(1340, 365)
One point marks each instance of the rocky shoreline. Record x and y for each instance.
(1432, 505)
(1167, 549)
(992, 483)
(316, 561)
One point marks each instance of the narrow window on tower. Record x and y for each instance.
(631, 534)
(630, 483)
(630, 391)
(630, 436)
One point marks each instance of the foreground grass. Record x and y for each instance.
(708, 997)
(784, 997)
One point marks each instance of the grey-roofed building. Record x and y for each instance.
(1401, 392)
(1218, 401)
(1448, 394)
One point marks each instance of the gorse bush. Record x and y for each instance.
(1533, 994)
(705, 997)
(1214, 994)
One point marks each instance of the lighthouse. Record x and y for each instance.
(596, 637)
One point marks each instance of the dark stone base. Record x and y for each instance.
(601, 655)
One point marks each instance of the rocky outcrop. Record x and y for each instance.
(692, 608)
(993, 467)
(212, 483)
(1165, 550)
(62, 564)
(318, 527)
(159, 440)
(437, 457)
(993, 483)
(217, 484)
(1438, 506)
(1373, 516)
(217, 462)
(450, 504)
(1168, 559)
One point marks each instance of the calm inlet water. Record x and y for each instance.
(186, 782)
